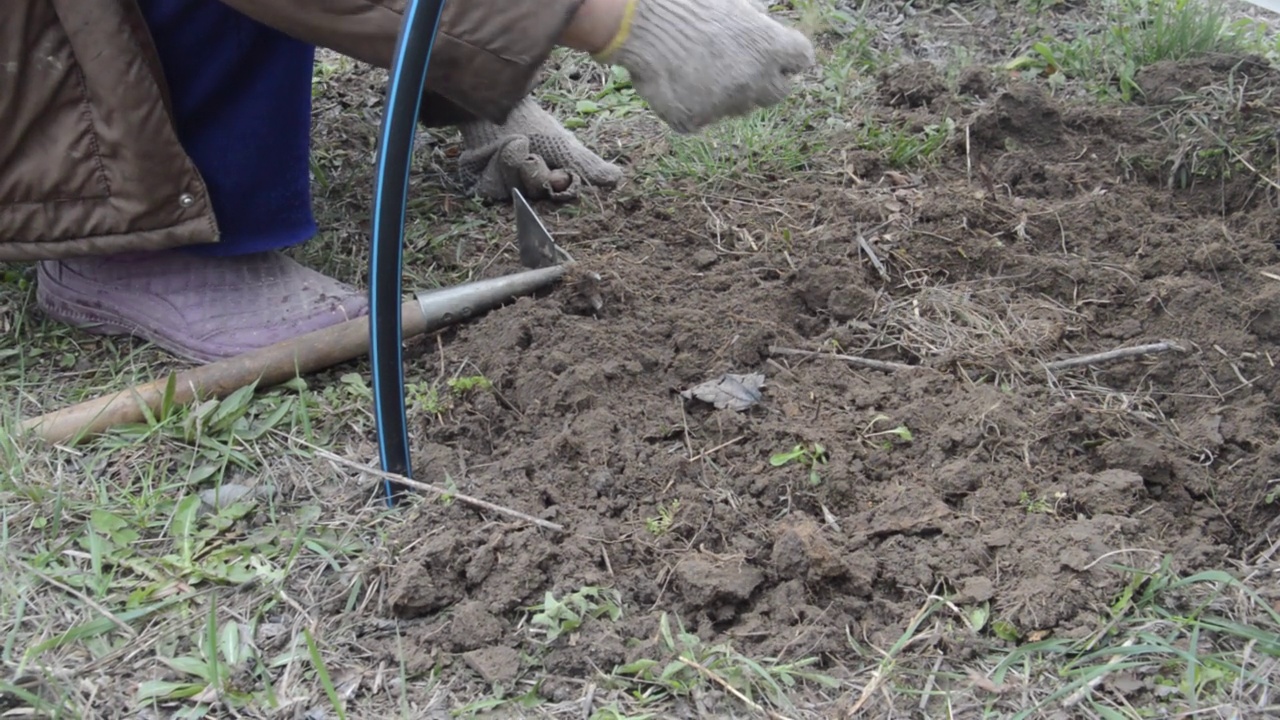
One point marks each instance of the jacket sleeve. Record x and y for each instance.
(486, 56)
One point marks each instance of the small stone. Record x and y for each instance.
(704, 259)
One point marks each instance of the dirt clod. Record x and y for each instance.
(715, 584)
(911, 85)
(472, 626)
(494, 664)
(1110, 492)
(801, 551)
(976, 590)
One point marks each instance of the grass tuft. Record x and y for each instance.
(1108, 50)
(1172, 644)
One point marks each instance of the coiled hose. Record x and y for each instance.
(408, 76)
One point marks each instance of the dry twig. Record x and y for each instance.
(868, 363)
(870, 251)
(721, 446)
(416, 485)
(1117, 354)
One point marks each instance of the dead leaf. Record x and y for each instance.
(982, 682)
(1126, 683)
(219, 498)
(207, 696)
(348, 686)
(736, 392)
(897, 179)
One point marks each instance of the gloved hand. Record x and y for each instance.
(533, 152)
(698, 61)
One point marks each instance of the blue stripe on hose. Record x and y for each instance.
(386, 258)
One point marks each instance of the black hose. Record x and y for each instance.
(390, 196)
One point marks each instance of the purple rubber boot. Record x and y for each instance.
(200, 309)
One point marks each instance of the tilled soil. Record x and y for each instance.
(1047, 231)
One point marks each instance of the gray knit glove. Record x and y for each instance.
(531, 151)
(698, 61)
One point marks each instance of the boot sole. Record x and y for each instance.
(91, 320)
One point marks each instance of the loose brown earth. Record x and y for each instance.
(1047, 230)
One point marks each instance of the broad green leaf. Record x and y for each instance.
(233, 650)
(191, 666)
(106, 522)
(165, 690)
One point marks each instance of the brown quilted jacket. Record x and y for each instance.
(90, 162)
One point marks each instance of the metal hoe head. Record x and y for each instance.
(539, 253)
(537, 248)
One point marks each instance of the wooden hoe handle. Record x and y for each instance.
(268, 366)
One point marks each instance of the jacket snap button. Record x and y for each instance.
(186, 200)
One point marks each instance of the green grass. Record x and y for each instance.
(1124, 36)
(687, 666)
(1181, 639)
(1169, 646)
(1216, 129)
(110, 550)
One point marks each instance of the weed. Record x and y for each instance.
(1133, 34)
(811, 456)
(210, 669)
(451, 489)
(464, 385)
(526, 701)
(767, 142)
(820, 17)
(554, 618)
(322, 672)
(900, 431)
(1039, 505)
(615, 100)
(611, 712)
(1174, 630)
(904, 149)
(688, 664)
(426, 397)
(658, 526)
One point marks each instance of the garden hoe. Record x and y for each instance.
(428, 311)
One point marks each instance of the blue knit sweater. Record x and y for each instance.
(242, 103)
